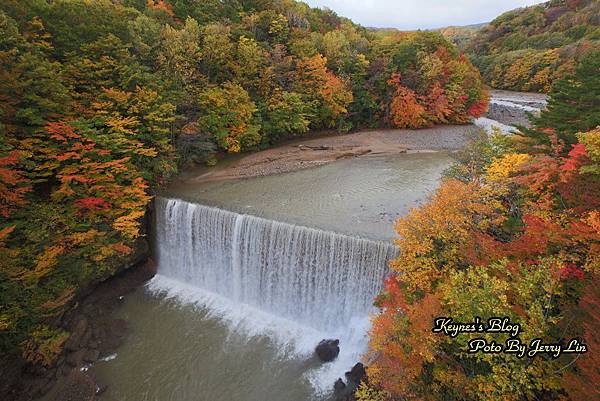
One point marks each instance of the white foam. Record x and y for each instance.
(487, 124)
(293, 340)
(507, 103)
(109, 358)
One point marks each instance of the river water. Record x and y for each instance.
(253, 273)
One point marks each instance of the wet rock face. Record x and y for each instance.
(357, 374)
(345, 391)
(328, 350)
(339, 385)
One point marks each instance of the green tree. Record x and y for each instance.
(574, 104)
(229, 116)
(286, 114)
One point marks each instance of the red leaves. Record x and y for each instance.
(478, 108)
(61, 131)
(570, 270)
(577, 157)
(13, 185)
(91, 204)
(405, 110)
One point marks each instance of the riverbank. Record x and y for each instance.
(513, 108)
(314, 152)
(94, 334)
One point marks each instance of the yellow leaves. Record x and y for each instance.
(229, 115)
(129, 225)
(46, 261)
(233, 145)
(117, 96)
(78, 238)
(500, 172)
(593, 220)
(591, 142)
(319, 84)
(6, 322)
(104, 253)
(123, 125)
(368, 393)
(44, 346)
(140, 150)
(434, 236)
(506, 166)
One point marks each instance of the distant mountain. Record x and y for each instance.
(529, 48)
(462, 35)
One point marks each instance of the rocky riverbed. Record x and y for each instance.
(514, 108)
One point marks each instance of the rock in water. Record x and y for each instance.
(328, 350)
(357, 374)
(339, 385)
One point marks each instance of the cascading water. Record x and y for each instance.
(293, 284)
(313, 277)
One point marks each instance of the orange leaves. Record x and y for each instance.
(405, 110)
(44, 346)
(101, 186)
(579, 384)
(442, 102)
(4, 233)
(161, 5)
(122, 248)
(433, 237)
(335, 95)
(320, 85)
(478, 108)
(129, 224)
(45, 262)
(61, 131)
(398, 365)
(521, 240)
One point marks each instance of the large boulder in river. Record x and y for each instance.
(357, 374)
(328, 350)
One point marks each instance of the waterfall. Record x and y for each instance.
(313, 277)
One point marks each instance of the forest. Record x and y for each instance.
(530, 48)
(512, 231)
(103, 102)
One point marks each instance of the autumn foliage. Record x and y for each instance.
(517, 237)
(436, 88)
(102, 101)
(531, 48)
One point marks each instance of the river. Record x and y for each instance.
(253, 273)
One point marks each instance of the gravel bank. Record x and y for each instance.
(319, 151)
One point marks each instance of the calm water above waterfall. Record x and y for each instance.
(356, 196)
(240, 301)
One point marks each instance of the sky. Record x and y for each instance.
(420, 14)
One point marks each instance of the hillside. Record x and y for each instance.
(462, 35)
(528, 49)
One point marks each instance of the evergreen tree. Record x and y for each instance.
(574, 104)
